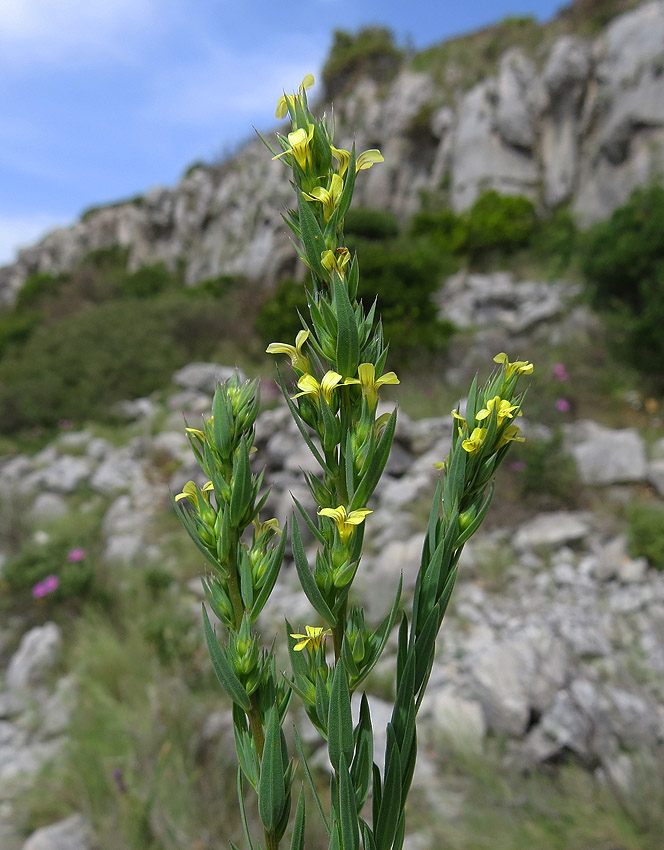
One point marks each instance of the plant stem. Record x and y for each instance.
(234, 587)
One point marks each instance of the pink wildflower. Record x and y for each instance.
(563, 405)
(559, 372)
(43, 588)
(76, 555)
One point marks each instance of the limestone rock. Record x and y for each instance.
(552, 529)
(35, 658)
(73, 833)
(204, 376)
(605, 455)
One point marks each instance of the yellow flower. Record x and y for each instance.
(329, 198)
(314, 638)
(310, 386)
(512, 433)
(364, 161)
(190, 491)
(370, 385)
(286, 99)
(269, 524)
(336, 261)
(473, 443)
(345, 521)
(523, 367)
(503, 409)
(298, 360)
(300, 146)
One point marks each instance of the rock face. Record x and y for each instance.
(580, 122)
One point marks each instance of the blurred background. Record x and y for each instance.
(520, 208)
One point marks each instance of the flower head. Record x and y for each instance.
(336, 261)
(511, 434)
(310, 386)
(300, 146)
(364, 161)
(190, 491)
(563, 405)
(76, 555)
(344, 520)
(521, 367)
(298, 360)
(43, 588)
(504, 410)
(473, 444)
(289, 99)
(369, 383)
(329, 198)
(313, 639)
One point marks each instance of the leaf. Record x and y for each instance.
(310, 779)
(390, 804)
(310, 524)
(241, 493)
(361, 769)
(340, 721)
(307, 580)
(271, 576)
(349, 185)
(348, 344)
(271, 785)
(312, 236)
(371, 477)
(243, 813)
(297, 839)
(301, 426)
(225, 673)
(382, 634)
(350, 834)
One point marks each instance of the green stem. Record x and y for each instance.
(234, 587)
(339, 630)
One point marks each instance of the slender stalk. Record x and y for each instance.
(234, 587)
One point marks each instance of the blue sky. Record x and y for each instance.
(104, 99)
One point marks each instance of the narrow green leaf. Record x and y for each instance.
(350, 833)
(301, 426)
(368, 842)
(382, 635)
(361, 769)
(312, 236)
(246, 579)
(401, 833)
(241, 492)
(185, 518)
(377, 795)
(468, 532)
(340, 721)
(243, 813)
(349, 185)
(348, 344)
(310, 779)
(297, 839)
(225, 673)
(322, 703)
(310, 524)
(307, 580)
(371, 477)
(271, 786)
(390, 806)
(276, 560)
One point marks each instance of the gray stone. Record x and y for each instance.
(457, 722)
(47, 506)
(64, 474)
(73, 833)
(204, 376)
(514, 117)
(655, 475)
(498, 679)
(137, 409)
(116, 473)
(605, 455)
(552, 529)
(36, 657)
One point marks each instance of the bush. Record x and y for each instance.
(35, 562)
(645, 532)
(277, 319)
(36, 287)
(148, 281)
(619, 254)
(79, 367)
(370, 224)
(500, 222)
(556, 239)
(370, 53)
(447, 231)
(16, 327)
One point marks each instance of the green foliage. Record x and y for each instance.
(16, 327)
(218, 287)
(35, 287)
(555, 240)
(371, 52)
(447, 231)
(645, 531)
(79, 367)
(147, 281)
(500, 222)
(547, 471)
(277, 319)
(619, 254)
(36, 561)
(370, 224)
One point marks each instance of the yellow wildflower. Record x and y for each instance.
(286, 99)
(345, 521)
(269, 524)
(190, 491)
(300, 146)
(504, 410)
(310, 386)
(298, 360)
(473, 444)
(369, 383)
(511, 433)
(364, 161)
(314, 638)
(329, 198)
(523, 367)
(336, 261)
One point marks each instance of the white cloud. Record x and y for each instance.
(19, 231)
(71, 32)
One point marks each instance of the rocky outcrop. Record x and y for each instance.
(581, 122)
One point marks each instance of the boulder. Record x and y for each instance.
(35, 658)
(72, 833)
(606, 455)
(205, 376)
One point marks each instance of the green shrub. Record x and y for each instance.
(547, 472)
(277, 319)
(36, 287)
(36, 561)
(447, 231)
(370, 224)
(148, 281)
(16, 327)
(370, 52)
(555, 239)
(645, 532)
(500, 222)
(618, 254)
(79, 367)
